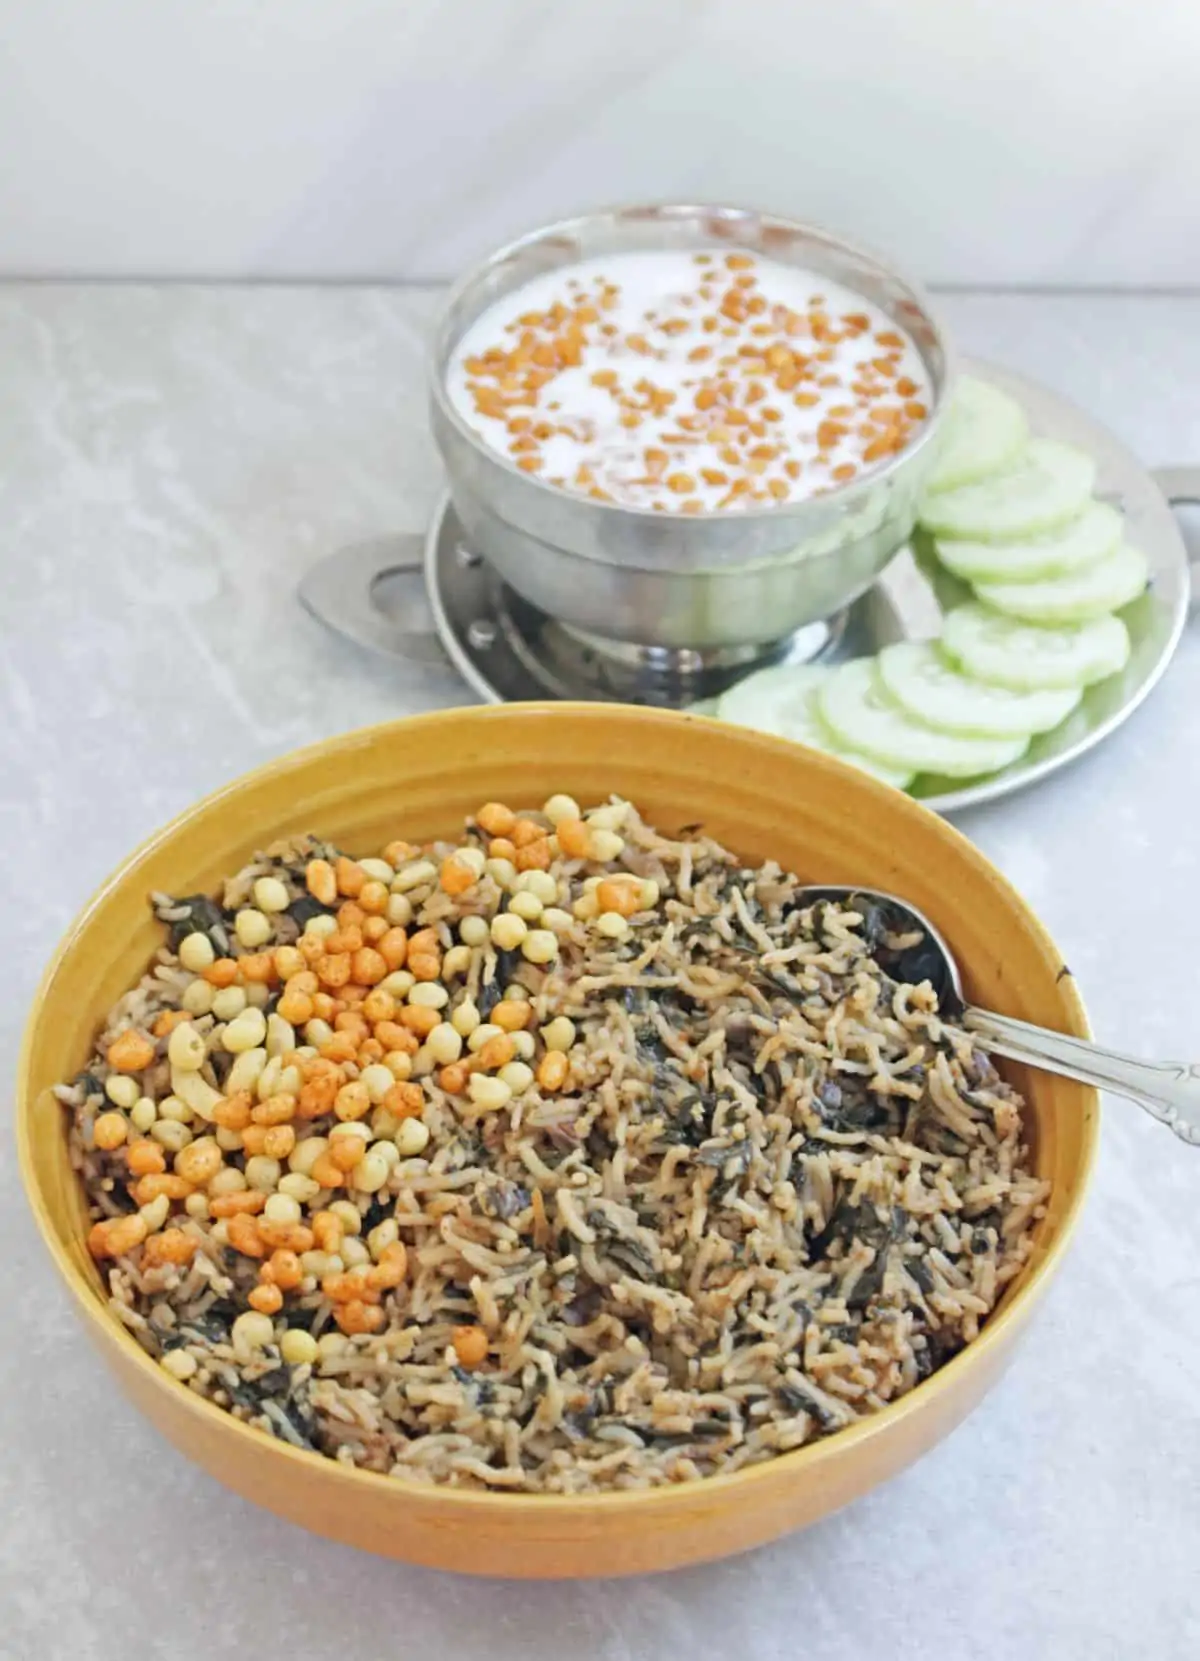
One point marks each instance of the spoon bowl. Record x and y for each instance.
(909, 948)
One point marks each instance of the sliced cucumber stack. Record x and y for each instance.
(1014, 518)
(782, 701)
(1048, 484)
(863, 716)
(985, 430)
(927, 686)
(1082, 541)
(1030, 658)
(1077, 597)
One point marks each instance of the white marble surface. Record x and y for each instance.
(170, 460)
(1034, 141)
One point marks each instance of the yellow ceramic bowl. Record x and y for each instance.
(417, 779)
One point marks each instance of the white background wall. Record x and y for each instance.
(980, 141)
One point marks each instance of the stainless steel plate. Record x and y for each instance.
(1155, 620)
(506, 650)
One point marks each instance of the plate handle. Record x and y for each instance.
(339, 591)
(1181, 487)
(1178, 484)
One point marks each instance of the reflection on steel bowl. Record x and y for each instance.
(636, 483)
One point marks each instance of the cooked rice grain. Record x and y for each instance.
(780, 1193)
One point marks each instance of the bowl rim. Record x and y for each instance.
(852, 491)
(811, 1457)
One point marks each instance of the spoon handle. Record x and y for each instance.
(1169, 1091)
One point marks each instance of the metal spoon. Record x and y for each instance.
(1169, 1091)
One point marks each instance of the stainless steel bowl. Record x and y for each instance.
(709, 581)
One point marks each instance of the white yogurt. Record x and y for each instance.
(689, 382)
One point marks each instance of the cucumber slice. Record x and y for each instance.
(929, 688)
(861, 713)
(782, 701)
(1109, 584)
(1048, 484)
(947, 589)
(985, 430)
(768, 699)
(1028, 658)
(1081, 541)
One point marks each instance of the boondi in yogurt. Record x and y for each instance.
(690, 382)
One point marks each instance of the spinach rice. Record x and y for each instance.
(764, 1191)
